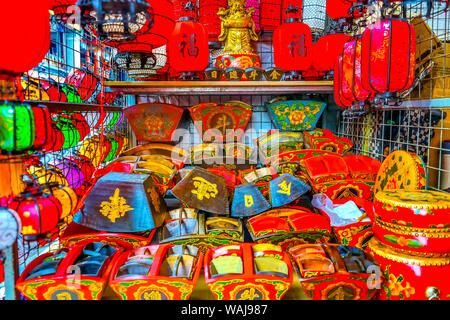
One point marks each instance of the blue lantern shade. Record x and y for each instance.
(285, 189)
(248, 201)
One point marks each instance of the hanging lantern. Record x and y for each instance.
(70, 132)
(71, 171)
(92, 150)
(85, 165)
(338, 9)
(188, 46)
(106, 96)
(327, 49)
(48, 175)
(388, 57)
(359, 8)
(210, 20)
(351, 80)
(57, 141)
(66, 197)
(26, 46)
(292, 44)
(71, 93)
(114, 148)
(43, 127)
(33, 90)
(179, 7)
(114, 20)
(85, 82)
(39, 213)
(61, 8)
(52, 88)
(17, 127)
(314, 15)
(11, 167)
(80, 123)
(140, 61)
(338, 95)
(270, 17)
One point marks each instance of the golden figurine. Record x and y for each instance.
(238, 30)
(237, 27)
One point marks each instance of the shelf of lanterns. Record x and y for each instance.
(218, 87)
(54, 106)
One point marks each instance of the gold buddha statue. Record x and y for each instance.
(237, 27)
(237, 32)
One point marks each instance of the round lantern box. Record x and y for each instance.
(414, 222)
(411, 277)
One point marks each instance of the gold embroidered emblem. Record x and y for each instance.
(249, 294)
(152, 295)
(63, 296)
(275, 74)
(204, 188)
(116, 208)
(285, 188)
(248, 201)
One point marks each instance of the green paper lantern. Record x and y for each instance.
(114, 119)
(70, 132)
(71, 93)
(17, 127)
(114, 148)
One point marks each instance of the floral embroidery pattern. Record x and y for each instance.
(396, 286)
(403, 242)
(296, 115)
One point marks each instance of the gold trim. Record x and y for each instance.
(440, 204)
(416, 232)
(389, 253)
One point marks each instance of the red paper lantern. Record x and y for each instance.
(61, 8)
(85, 83)
(179, 7)
(337, 9)
(292, 43)
(286, 4)
(39, 213)
(86, 166)
(208, 17)
(162, 17)
(328, 48)
(57, 141)
(106, 96)
(338, 95)
(351, 65)
(80, 123)
(388, 56)
(270, 15)
(26, 36)
(53, 91)
(43, 127)
(188, 46)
